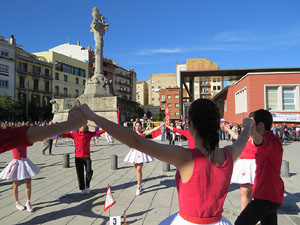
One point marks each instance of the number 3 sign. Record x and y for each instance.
(115, 220)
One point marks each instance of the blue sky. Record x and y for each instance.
(151, 36)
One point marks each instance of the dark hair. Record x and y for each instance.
(263, 116)
(205, 117)
(138, 122)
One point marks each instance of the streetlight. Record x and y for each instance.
(27, 97)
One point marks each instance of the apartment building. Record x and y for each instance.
(7, 66)
(142, 92)
(157, 82)
(33, 85)
(69, 74)
(124, 83)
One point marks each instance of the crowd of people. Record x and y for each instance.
(204, 171)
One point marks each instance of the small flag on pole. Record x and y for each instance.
(109, 200)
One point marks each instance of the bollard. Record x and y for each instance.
(114, 162)
(165, 167)
(66, 162)
(285, 170)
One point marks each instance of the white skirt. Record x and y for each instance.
(244, 171)
(135, 156)
(176, 219)
(19, 170)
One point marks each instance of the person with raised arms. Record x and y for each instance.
(203, 173)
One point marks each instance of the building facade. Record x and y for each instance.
(278, 92)
(170, 97)
(204, 87)
(124, 83)
(33, 87)
(69, 74)
(157, 82)
(142, 92)
(7, 66)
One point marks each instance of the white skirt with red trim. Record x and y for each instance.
(244, 171)
(176, 219)
(135, 156)
(19, 170)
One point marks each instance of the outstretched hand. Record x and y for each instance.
(76, 118)
(249, 123)
(87, 112)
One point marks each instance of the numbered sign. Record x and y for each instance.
(115, 220)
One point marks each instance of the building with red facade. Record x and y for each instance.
(278, 92)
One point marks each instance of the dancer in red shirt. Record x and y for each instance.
(203, 173)
(268, 188)
(82, 139)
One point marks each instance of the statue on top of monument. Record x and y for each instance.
(98, 28)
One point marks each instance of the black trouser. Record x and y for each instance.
(49, 143)
(80, 164)
(259, 210)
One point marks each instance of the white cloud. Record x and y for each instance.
(236, 36)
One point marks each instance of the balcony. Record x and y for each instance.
(121, 75)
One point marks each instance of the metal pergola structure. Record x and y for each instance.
(187, 79)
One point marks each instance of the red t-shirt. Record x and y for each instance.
(13, 137)
(268, 184)
(188, 136)
(20, 152)
(82, 142)
(203, 195)
(249, 151)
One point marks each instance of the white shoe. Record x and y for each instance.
(138, 190)
(82, 192)
(28, 206)
(87, 191)
(19, 206)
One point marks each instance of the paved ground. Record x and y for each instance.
(56, 198)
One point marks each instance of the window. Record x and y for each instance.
(56, 90)
(166, 81)
(271, 95)
(47, 74)
(173, 81)
(218, 88)
(4, 53)
(214, 88)
(83, 82)
(152, 82)
(163, 97)
(47, 86)
(35, 100)
(177, 114)
(76, 71)
(152, 99)
(176, 105)
(65, 92)
(22, 82)
(3, 84)
(66, 68)
(159, 87)
(205, 89)
(82, 73)
(65, 78)
(36, 70)
(158, 81)
(288, 98)
(169, 96)
(3, 69)
(176, 96)
(152, 87)
(22, 67)
(76, 81)
(56, 76)
(170, 105)
(241, 101)
(76, 93)
(36, 84)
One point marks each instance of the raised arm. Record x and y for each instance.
(147, 132)
(75, 120)
(237, 147)
(174, 155)
(231, 132)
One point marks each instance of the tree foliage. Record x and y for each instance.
(8, 107)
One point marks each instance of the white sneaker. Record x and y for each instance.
(19, 206)
(87, 191)
(28, 206)
(138, 190)
(82, 192)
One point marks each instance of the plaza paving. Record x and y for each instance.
(56, 198)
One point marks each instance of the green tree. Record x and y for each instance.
(8, 107)
(148, 114)
(159, 117)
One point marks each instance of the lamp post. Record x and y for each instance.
(27, 98)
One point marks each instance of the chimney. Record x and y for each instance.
(78, 43)
(12, 40)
